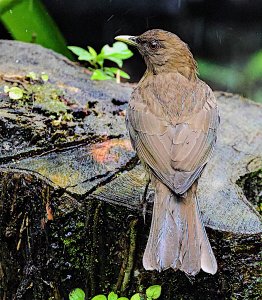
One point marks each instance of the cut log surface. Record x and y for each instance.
(64, 145)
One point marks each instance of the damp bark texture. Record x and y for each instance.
(71, 189)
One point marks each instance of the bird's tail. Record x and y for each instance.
(177, 236)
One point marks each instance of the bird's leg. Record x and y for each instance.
(144, 200)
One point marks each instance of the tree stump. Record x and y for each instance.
(71, 187)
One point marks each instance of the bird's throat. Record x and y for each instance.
(187, 68)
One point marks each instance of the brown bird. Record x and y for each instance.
(172, 119)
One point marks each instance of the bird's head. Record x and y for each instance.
(163, 51)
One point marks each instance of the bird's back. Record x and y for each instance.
(177, 120)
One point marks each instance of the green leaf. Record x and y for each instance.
(115, 70)
(136, 297)
(124, 74)
(29, 21)
(109, 72)
(5, 5)
(121, 50)
(81, 53)
(101, 57)
(117, 53)
(93, 53)
(32, 75)
(44, 77)
(15, 93)
(77, 294)
(153, 291)
(116, 60)
(99, 297)
(6, 89)
(100, 75)
(112, 296)
(122, 298)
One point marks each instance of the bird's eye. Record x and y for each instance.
(154, 45)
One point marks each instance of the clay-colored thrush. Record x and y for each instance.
(172, 119)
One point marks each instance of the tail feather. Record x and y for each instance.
(177, 236)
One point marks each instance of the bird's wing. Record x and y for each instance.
(175, 152)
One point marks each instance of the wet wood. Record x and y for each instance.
(71, 188)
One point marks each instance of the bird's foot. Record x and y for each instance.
(145, 199)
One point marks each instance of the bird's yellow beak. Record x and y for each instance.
(128, 39)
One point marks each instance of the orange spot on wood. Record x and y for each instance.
(122, 113)
(49, 212)
(102, 152)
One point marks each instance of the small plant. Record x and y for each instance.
(33, 90)
(77, 294)
(152, 293)
(117, 53)
(36, 77)
(14, 93)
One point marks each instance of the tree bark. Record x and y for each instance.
(71, 188)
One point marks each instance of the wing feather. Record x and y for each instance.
(176, 149)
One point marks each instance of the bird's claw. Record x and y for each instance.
(144, 200)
